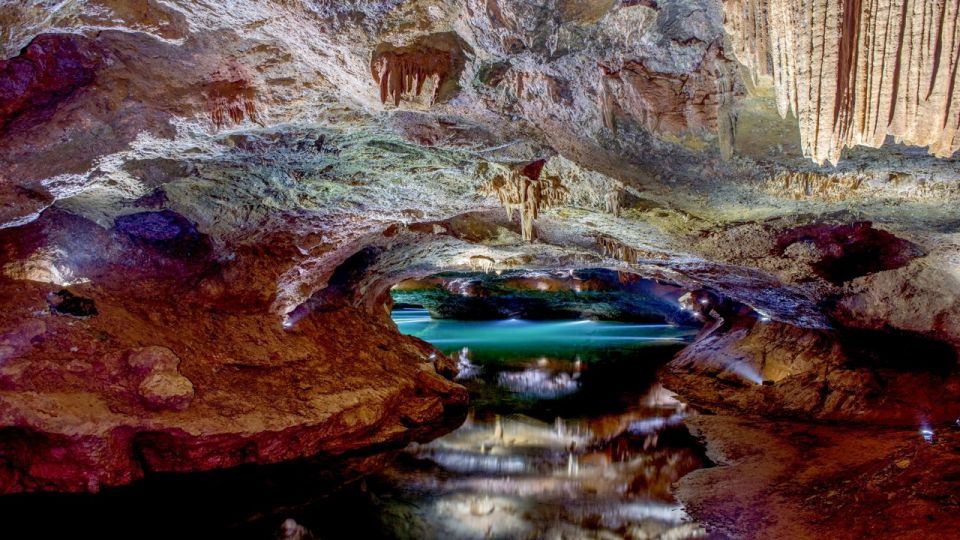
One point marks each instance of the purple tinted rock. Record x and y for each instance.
(164, 230)
(45, 73)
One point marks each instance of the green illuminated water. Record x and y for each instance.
(514, 337)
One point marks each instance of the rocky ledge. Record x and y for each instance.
(115, 382)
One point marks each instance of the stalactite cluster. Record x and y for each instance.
(525, 190)
(856, 71)
(811, 185)
(482, 262)
(841, 187)
(231, 98)
(611, 247)
(406, 70)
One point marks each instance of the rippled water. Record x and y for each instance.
(569, 436)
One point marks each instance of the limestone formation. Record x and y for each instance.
(231, 97)
(203, 210)
(403, 70)
(856, 72)
(668, 103)
(162, 387)
(523, 188)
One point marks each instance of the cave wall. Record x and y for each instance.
(235, 191)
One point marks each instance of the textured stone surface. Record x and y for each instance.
(800, 480)
(162, 387)
(170, 375)
(854, 377)
(242, 187)
(856, 72)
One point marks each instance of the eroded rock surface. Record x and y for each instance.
(170, 376)
(242, 187)
(854, 73)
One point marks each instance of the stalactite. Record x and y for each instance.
(611, 247)
(612, 201)
(406, 70)
(606, 101)
(231, 97)
(524, 189)
(855, 71)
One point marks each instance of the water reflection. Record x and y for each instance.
(569, 436)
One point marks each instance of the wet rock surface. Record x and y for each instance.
(796, 480)
(581, 294)
(242, 187)
(779, 371)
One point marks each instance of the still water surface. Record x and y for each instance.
(569, 435)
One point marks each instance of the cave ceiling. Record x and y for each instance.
(649, 135)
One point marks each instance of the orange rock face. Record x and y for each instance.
(167, 378)
(856, 72)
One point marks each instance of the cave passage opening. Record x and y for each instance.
(569, 429)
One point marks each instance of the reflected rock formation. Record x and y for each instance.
(208, 211)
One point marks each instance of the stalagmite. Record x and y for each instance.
(856, 71)
(523, 188)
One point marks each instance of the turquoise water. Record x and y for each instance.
(521, 336)
(569, 435)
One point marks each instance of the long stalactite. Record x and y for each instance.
(400, 72)
(857, 71)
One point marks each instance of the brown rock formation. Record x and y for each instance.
(402, 70)
(670, 103)
(173, 376)
(856, 72)
(523, 188)
(787, 372)
(231, 97)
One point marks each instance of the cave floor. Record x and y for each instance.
(796, 480)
